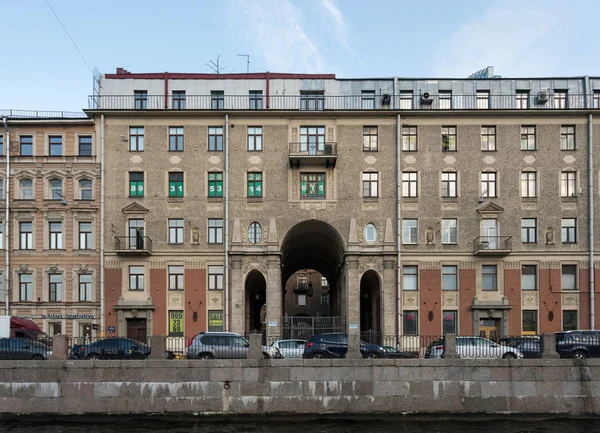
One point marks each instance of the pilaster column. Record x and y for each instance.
(237, 297)
(389, 300)
(352, 294)
(274, 297)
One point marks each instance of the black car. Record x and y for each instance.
(113, 348)
(578, 344)
(336, 346)
(23, 348)
(529, 345)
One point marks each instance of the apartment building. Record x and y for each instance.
(52, 234)
(428, 205)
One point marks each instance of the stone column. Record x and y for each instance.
(158, 344)
(449, 347)
(354, 344)
(237, 295)
(274, 297)
(60, 347)
(352, 306)
(389, 300)
(255, 351)
(548, 346)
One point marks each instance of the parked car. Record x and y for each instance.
(477, 347)
(392, 352)
(113, 348)
(290, 348)
(334, 345)
(578, 344)
(23, 348)
(529, 345)
(224, 345)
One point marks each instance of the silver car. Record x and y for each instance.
(290, 348)
(478, 347)
(223, 345)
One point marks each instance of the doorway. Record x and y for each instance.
(136, 329)
(136, 234)
(488, 328)
(489, 233)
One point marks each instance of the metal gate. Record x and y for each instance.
(303, 327)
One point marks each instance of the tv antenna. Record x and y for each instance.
(215, 65)
(247, 56)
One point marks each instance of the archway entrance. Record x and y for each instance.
(312, 270)
(370, 307)
(256, 298)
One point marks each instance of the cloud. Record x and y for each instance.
(339, 24)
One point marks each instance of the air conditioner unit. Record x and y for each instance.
(426, 98)
(386, 99)
(543, 96)
(328, 149)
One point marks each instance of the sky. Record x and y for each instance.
(40, 69)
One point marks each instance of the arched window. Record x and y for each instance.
(56, 189)
(85, 189)
(254, 233)
(26, 187)
(370, 232)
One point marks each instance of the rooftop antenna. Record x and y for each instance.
(247, 56)
(215, 65)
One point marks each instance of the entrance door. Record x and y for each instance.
(136, 234)
(136, 329)
(489, 233)
(488, 328)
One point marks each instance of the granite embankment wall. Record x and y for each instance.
(288, 386)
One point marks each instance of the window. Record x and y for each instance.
(215, 278)
(136, 184)
(312, 100)
(179, 99)
(136, 139)
(215, 320)
(370, 232)
(56, 189)
(55, 145)
(85, 236)
(26, 235)
(488, 184)
(86, 191)
(256, 99)
(410, 322)
(449, 185)
(449, 278)
(567, 138)
(312, 185)
(410, 231)
(215, 230)
(596, 98)
(445, 100)
(141, 99)
(410, 278)
(85, 287)
(529, 230)
(449, 231)
(409, 184)
(448, 138)
(569, 231)
(489, 277)
(570, 320)
(324, 283)
(1, 238)
(528, 184)
(522, 99)
(488, 138)
(528, 138)
(254, 185)
(254, 233)
(176, 139)
(530, 322)
(1, 145)
(370, 139)
(26, 187)
(368, 100)
(406, 100)
(312, 139)
(25, 287)
(136, 278)
(217, 100)
(528, 277)
(55, 289)
(567, 184)
(324, 299)
(370, 184)
(85, 145)
(176, 184)
(175, 277)
(301, 300)
(449, 322)
(483, 99)
(56, 235)
(26, 145)
(215, 184)
(176, 230)
(569, 277)
(560, 99)
(254, 138)
(409, 139)
(215, 138)
(176, 323)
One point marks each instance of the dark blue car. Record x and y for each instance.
(336, 346)
(111, 348)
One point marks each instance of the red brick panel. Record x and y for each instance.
(466, 287)
(512, 290)
(431, 300)
(584, 298)
(112, 292)
(550, 300)
(195, 301)
(158, 291)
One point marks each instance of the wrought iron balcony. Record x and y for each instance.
(492, 245)
(304, 288)
(133, 245)
(304, 153)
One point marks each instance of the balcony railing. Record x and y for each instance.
(312, 153)
(416, 102)
(492, 245)
(133, 245)
(24, 114)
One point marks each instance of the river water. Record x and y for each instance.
(313, 424)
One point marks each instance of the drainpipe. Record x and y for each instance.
(591, 216)
(398, 225)
(102, 225)
(226, 224)
(7, 278)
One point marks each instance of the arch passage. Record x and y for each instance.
(256, 298)
(370, 307)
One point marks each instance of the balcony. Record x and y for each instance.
(304, 289)
(133, 245)
(303, 154)
(492, 245)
